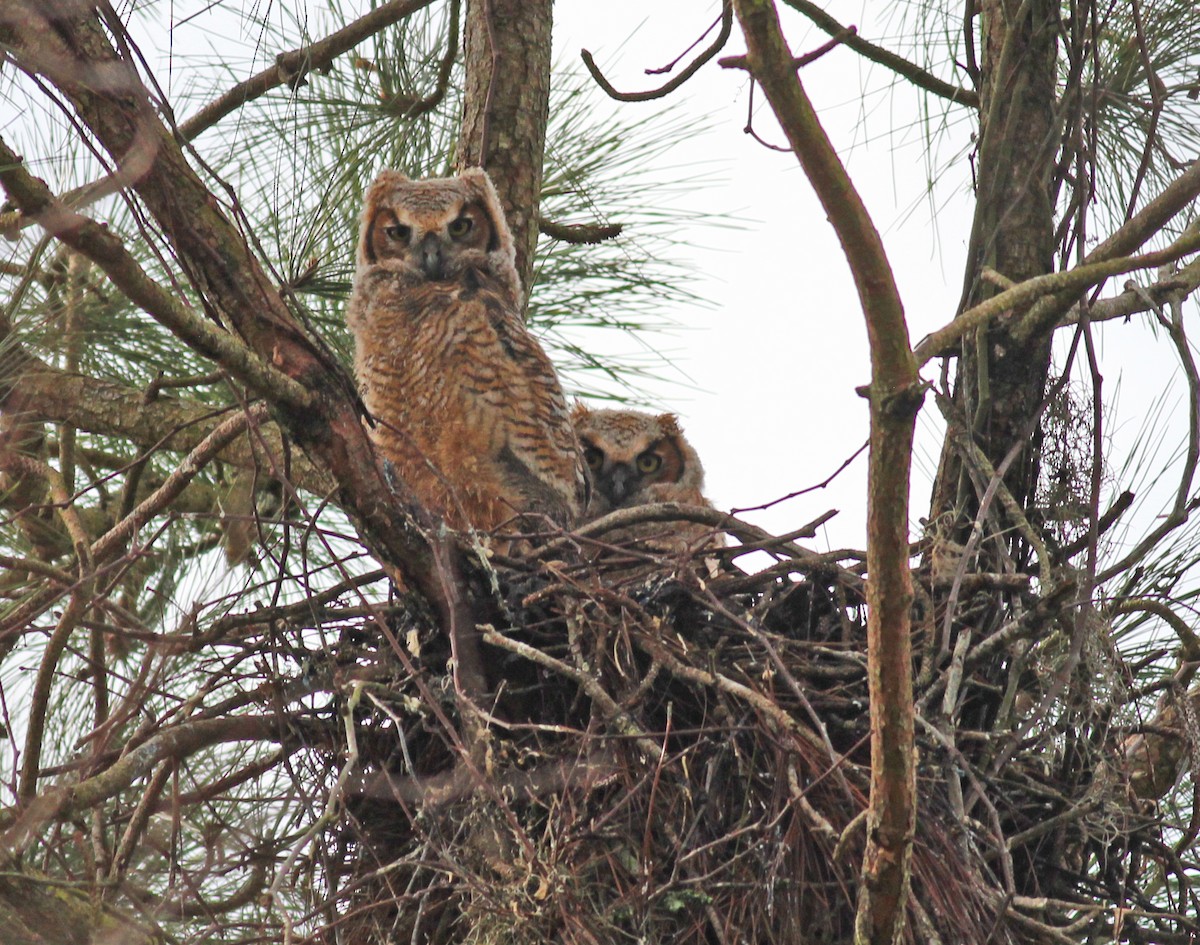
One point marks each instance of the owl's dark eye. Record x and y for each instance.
(460, 227)
(398, 232)
(593, 457)
(649, 462)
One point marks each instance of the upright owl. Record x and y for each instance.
(467, 405)
(638, 458)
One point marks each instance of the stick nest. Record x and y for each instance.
(673, 750)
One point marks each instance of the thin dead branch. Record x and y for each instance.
(672, 84)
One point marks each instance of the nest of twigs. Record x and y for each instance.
(673, 750)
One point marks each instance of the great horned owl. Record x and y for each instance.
(467, 405)
(638, 458)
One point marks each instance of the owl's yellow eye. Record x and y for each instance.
(649, 462)
(398, 232)
(593, 457)
(460, 227)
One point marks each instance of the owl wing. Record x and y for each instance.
(541, 453)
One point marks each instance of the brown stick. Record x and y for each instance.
(895, 395)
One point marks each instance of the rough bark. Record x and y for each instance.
(1001, 381)
(506, 107)
(35, 910)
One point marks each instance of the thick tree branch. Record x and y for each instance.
(895, 396)
(103, 407)
(1136, 299)
(104, 248)
(172, 744)
(117, 536)
(1053, 286)
(103, 550)
(229, 278)
(1175, 198)
(35, 909)
(290, 68)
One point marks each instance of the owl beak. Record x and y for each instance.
(429, 257)
(620, 482)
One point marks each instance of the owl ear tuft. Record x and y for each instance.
(579, 412)
(384, 180)
(670, 424)
(503, 251)
(476, 175)
(480, 186)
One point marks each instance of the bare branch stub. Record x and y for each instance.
(580, 233)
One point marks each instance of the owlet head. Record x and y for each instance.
(434, 230)
(634, 458)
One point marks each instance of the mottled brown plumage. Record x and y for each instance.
(636, 459)
(468, 407)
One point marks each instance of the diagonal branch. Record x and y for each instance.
(898, 64)
(325, 422)
(104, 407)
(174, 743)
(105, 249)
(116, 537)
(1049, 290)
(1174, 199)
(291, 67)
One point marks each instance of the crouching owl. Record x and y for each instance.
(467, 406)
(638, 458)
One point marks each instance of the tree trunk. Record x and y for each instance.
(1001, 382)
(35, 910)
(507, 105)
